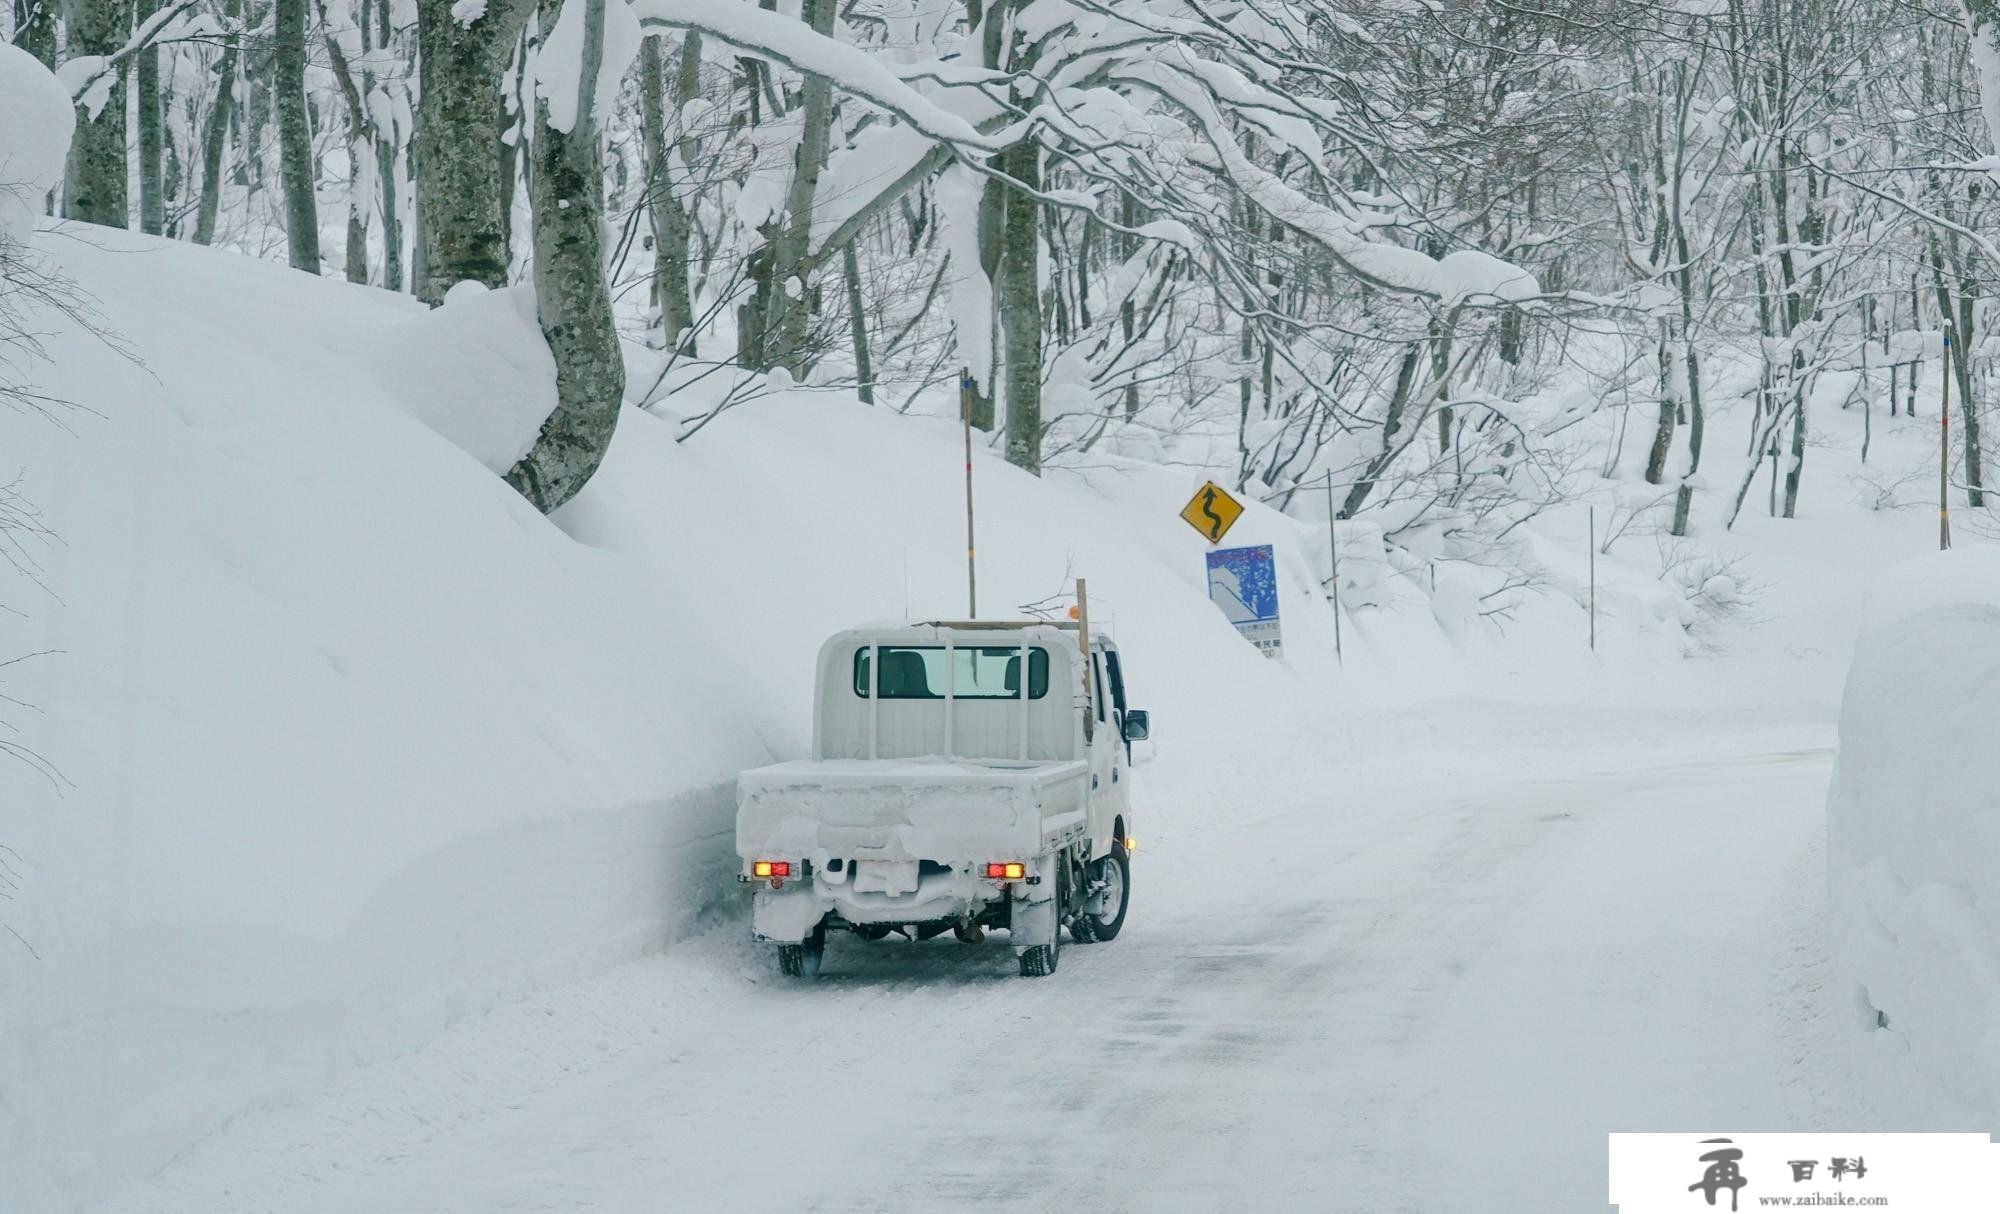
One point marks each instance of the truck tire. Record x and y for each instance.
(1103, 925)
(1040, 961)
(803, 960)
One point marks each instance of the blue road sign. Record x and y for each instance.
(1243, 582)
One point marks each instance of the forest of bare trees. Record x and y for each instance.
(1397, 252)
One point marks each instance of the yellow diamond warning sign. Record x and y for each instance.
(1212, 512)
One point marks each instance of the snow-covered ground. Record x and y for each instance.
(392, 870)
(1376, 985)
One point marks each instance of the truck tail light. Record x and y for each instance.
(771, 868)
(1011, 870)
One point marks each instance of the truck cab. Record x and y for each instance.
(963, 776)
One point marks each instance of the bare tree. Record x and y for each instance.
(35, 29)
(566, 189)
(152, 150)
(94, 188)
(668, 217)
(295, 158)
(462, 188)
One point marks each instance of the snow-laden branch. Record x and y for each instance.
(788, 41)
(1982, 26)
(1465, 275)
(89, 78)
(582, 60)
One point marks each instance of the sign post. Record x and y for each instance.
(1944, 449)
(1333, 546)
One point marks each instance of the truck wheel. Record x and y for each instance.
(802, 960)
(1039, 961)
(1102, 917)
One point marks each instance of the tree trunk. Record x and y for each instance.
(514, 163)
(215, 138)
(35, 29)
(1246, 345)
(152, 153)
(788, 306)
(94, 186)
(295, 158)
(669, 221)
(1956, 317)
(386, 162)
(857, 324)
(1670, 412)
(355, 265)
(992, 211)
(565, 192)
(420, 245)
(1967, 338)
(1128, 247)
(256, 111)
(360, 140)
(460, 181)
(1982, 25)
(1392, 423)
(1798, 465)
(1020, 296)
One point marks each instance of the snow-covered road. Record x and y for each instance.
(1427, 992)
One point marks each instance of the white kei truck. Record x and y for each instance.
(964, 776)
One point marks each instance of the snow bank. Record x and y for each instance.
(359, 744)
(1913, 826)
(34, 140)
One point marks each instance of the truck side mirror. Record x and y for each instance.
(1138, 725)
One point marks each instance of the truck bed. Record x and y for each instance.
(956, 811)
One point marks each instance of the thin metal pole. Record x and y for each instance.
(1333, 546)
(1593, 579)
(874, 696)
(1944, 450)
(1083, 643)
(950, 682)
(1027, 677)
(971, 565)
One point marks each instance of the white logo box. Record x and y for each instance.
(1905, 1173)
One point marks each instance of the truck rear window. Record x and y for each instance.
(919, 672)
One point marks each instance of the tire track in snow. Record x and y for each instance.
(1334, 1028)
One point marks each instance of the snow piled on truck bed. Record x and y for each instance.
(1913, 823)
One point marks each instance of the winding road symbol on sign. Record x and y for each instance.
(1212, 512)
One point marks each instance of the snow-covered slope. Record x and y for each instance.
(1914, 823)
(354, 742)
